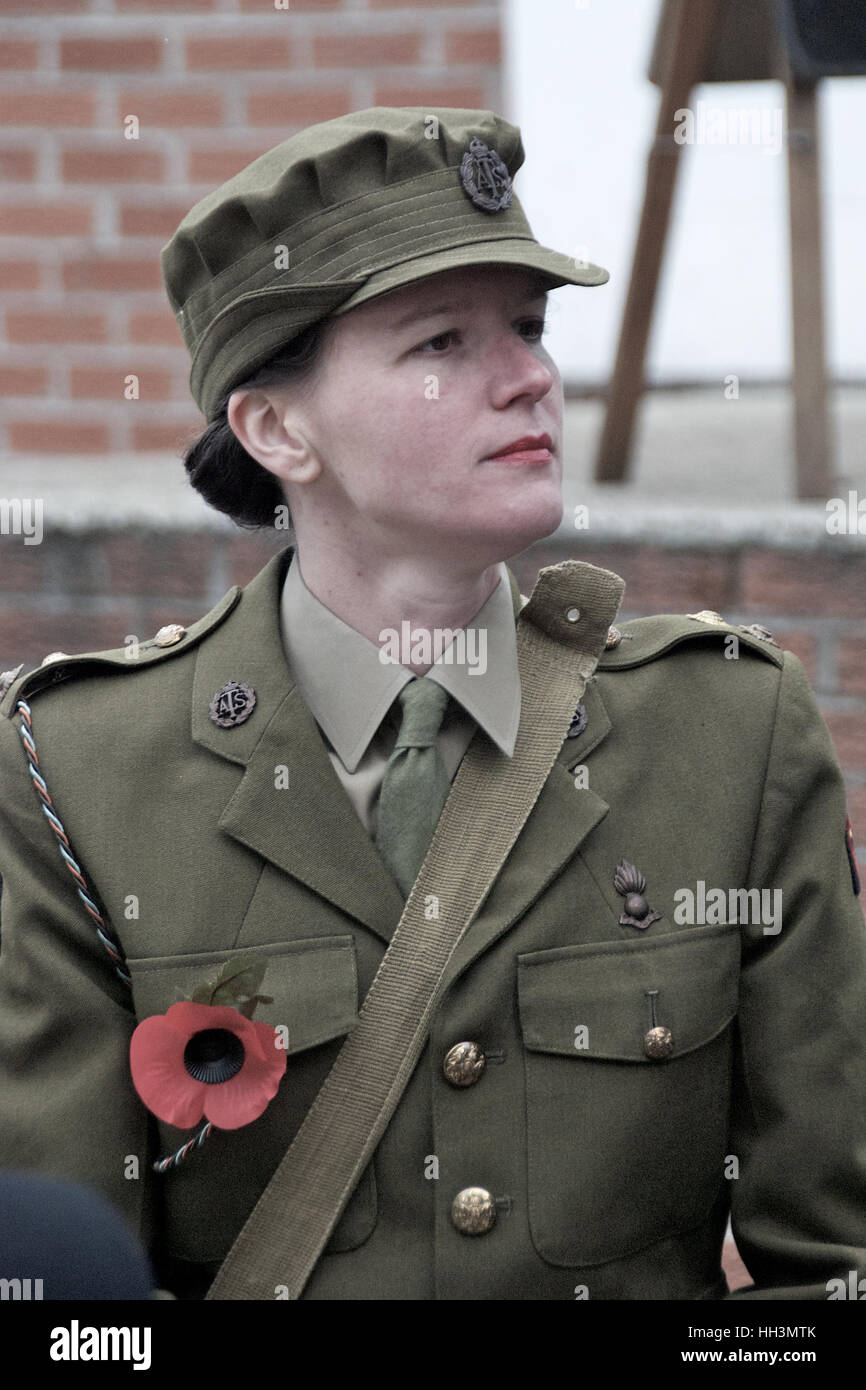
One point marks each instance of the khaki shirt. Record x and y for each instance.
(351, 692)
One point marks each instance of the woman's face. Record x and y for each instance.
(414, 395)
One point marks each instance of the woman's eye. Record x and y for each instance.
(441, 340)
(536, 327)
(531, 331)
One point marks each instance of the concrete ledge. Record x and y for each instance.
(786, 526)
(151, 491)
(707, 472)
(118, 490)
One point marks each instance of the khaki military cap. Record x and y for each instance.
(340, 213)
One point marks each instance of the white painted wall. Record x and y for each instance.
(576, 84)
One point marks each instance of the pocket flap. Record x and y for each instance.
(313, 983)
(591, 1001)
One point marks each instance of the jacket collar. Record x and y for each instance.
(349, 689)
(309, 828)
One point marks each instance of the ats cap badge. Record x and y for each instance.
(485, 177)
(232, 704)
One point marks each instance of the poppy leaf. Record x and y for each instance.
(247, 1006)
(235, 980)
(203, 994)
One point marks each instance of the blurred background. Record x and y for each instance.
(117, 115)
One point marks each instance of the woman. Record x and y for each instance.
(653, 1015)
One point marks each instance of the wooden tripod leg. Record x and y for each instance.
(814, 472)
(694, 22)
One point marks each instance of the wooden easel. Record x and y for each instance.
(725, 41)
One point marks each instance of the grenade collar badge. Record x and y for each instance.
(630, 883)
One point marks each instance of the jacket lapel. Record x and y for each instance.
(308, 827)
(562, 818)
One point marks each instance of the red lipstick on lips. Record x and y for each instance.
(530, 448)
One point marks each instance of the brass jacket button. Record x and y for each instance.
(168, 635)
(463, 1064)
(7, 678)
(473, 1211)
(658, 1043)
(758, 630)
(707, 615)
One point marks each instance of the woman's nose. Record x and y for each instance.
(518, 370)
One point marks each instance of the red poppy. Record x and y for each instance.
(205, 1059)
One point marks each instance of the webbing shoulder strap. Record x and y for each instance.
(560, 634)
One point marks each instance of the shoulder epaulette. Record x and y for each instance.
(170, 641)
(640, 640)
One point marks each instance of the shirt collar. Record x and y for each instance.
(349, 689)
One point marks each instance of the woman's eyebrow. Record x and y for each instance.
(416, 315)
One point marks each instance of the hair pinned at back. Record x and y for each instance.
(218, 465)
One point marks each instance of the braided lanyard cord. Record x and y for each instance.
(113, 948)
(25, 729)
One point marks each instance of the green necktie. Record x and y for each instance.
(415, 786)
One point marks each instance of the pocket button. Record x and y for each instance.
(473, 1211)
(658, 1044)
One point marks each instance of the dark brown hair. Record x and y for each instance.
(218, 465)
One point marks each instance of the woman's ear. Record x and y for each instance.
(273, 433)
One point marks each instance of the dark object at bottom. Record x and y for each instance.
(61, 1240)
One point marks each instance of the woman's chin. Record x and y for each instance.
(537, 518)
(502, 535)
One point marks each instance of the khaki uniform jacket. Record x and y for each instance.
(613, 1173)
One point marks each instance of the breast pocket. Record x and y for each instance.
(314, 991)
(626, 1134)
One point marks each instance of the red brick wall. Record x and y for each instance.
(85, 211)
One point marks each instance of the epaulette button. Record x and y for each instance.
(7, 678)
(758, 630)
(707, 615)
(168, 635)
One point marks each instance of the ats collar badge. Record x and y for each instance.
(578, 723)
(630, 883)
(485, 177)
(233, 704)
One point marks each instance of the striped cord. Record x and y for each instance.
(26, 731)
(162, 1165)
